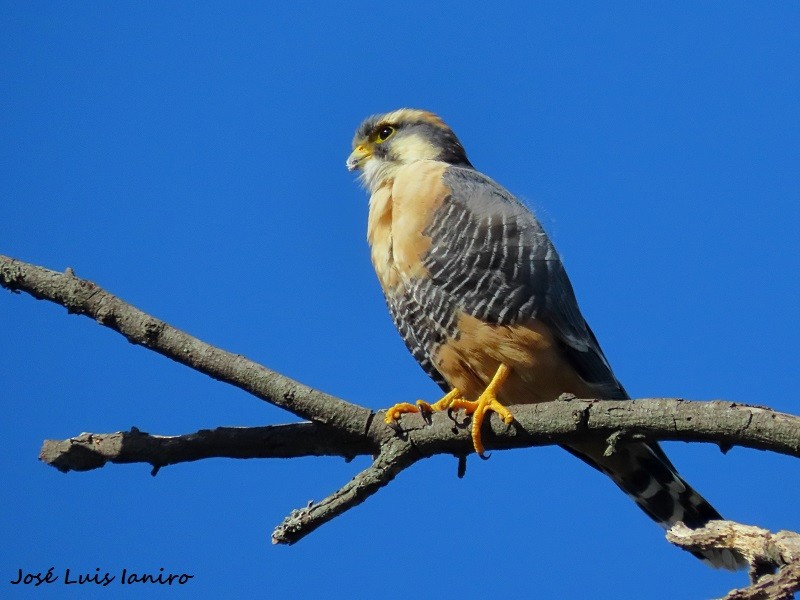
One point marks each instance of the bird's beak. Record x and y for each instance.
(358, 157)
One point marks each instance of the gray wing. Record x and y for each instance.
(419, 332)
(491, 258)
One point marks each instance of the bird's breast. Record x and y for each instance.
(379, 237)
(400, 210)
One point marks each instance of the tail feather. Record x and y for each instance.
(645, 474)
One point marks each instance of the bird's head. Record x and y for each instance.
(384, 143)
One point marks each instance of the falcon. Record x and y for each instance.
(481, 298)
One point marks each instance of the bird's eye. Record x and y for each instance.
(385, 133)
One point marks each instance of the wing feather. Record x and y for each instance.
(491, 258)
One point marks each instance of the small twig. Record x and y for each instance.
(394, 457)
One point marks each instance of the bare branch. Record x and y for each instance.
(339, 428)
(394, 457)
(549, 423)
(83, 297)
(398, 447)
(92, 450)
(765, 551)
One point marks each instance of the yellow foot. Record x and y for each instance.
(442, 404)
(486, 401)
(393, 413)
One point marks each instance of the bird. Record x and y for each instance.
(481, 298)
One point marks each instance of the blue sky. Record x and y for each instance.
(189, 157)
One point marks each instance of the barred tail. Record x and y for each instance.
(645, 474)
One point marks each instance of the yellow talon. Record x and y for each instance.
(443, 404)
(486, 401)
(478, 408)
(393, 413)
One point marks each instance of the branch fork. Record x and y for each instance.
(333, 427)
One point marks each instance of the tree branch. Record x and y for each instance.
(394, 457)
(765, 551)
(81, 296)
(339, 428)
(549, 423)
(93, 450)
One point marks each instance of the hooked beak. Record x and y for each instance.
(358, 157)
